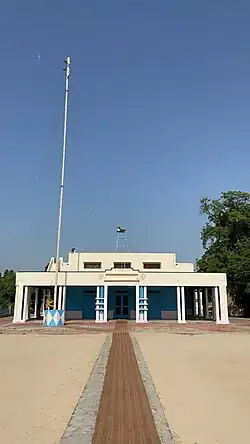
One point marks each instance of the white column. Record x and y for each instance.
(64, 298)
(36, 303)
(105, 303)
(206, 304)
(216, 305)
(25, 314)
(60, 298)
(55, 306)
(137, 295)
(145, 319)
(201, 309)
(102, 305)
(18, 304)
(178, 291)
(183, 305)
(223, 305)
(97, 311)
(196, 303)
(44, 301)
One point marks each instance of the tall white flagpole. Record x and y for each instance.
(67, 75)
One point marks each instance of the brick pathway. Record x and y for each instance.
(124, 414)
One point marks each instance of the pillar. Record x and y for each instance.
(178, 291)
(18, 304)
(183, 305)
(142, 305)
(97, 305)
(44, 300)
(100, 305)
(216, 305)
(206, 304)
(201, 309)
(60, 298)
(145, 304)
(196, 303)
(55, 298)
(137, 295)
(105, 311)
(25, 314)
(36, 303)
(223, 305)
(64, 298)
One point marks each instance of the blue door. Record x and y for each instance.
(121, 305)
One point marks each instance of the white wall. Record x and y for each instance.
(167, 260)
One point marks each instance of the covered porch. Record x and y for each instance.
(123, 301)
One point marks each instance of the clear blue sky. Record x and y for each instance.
(159, 115)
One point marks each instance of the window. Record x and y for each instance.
(152, 265)
(122, 264)
(92, 265)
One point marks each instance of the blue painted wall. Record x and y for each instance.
(161, 298)
(81, 298)
(112, 298)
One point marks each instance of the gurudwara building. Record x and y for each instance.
(105, 286)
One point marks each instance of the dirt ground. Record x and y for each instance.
(41, 379)
(204, 384)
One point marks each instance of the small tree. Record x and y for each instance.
(7, 289)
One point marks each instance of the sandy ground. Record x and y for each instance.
(204, 384)
(41, 379)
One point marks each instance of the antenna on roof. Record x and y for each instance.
(121, 239)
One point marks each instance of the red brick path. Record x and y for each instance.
(124, 415)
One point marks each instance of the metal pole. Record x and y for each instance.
(67, 71)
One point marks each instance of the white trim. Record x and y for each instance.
(146, 278)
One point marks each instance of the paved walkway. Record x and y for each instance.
(124, 415)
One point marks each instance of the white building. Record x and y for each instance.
(139, 286)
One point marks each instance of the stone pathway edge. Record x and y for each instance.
(160, 419)
(81, 426)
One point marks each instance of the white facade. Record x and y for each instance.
(143, 271)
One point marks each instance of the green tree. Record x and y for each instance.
(7, 289)
(226, 241)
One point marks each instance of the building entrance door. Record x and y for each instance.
(121, 306)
